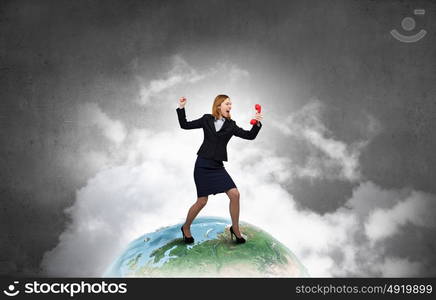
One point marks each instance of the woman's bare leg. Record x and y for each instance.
(234, 209)
(192, 213)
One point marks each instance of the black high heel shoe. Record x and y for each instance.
(188, 240)
(240, 240)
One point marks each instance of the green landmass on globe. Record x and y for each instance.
(164, 254)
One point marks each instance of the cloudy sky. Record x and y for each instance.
(92, 156)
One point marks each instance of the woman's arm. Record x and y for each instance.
(247, 134)
(188, 124)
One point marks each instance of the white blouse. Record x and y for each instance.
(219, 123)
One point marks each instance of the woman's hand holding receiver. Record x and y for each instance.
(258, 116)
(182, 102)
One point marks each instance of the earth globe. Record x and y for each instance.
(163, 253)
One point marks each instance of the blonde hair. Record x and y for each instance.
(217, 102)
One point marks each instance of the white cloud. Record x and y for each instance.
(122, 202)
(182, 74)
(91, 114)
(148, 183)
(154, 187)
(329, 157)
(235, 73)
(398, 267)
(417, 209)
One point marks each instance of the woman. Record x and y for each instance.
(210, 176)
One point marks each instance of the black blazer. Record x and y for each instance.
(215, 142)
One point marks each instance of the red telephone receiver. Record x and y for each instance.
(258, 108)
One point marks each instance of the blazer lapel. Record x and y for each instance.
(222, 130)
(211, 124)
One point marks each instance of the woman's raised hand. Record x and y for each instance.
(182, 102)
(258, 116)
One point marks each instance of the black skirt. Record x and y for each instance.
(211, 177)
